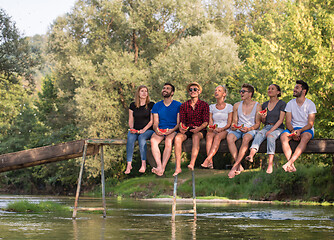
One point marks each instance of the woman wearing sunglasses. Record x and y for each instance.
(219, 125)
(272, 115)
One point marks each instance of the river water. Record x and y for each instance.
(136, 219)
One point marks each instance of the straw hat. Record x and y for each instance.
(194, 84)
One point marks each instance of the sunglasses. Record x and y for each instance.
(243, 91)
(193, 89)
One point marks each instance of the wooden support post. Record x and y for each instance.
(174, 211)
(174, 199)
(79, 182)
(103, 185)
(194, 194)
(103, 208)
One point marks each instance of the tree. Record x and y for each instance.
(301, 48)
(208, 59)
(15, 53)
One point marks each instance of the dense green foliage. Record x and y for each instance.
(94, 57)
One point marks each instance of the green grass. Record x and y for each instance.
(308, 184)
(45, 206)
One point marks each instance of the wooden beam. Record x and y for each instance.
(317, 146)
(42, 155)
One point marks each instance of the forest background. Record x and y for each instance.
(77, 81)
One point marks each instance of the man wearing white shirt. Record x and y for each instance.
(300, 116)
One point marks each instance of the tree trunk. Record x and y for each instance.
(135, 46)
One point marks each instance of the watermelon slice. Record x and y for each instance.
(238, 127)
(163, 130)
(213, 127)
(292, 134)
(263, 111)
(134, 130)
(184, 127)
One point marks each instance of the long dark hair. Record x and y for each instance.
(278, 89)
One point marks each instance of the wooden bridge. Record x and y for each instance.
(83, 148)
(75, 149)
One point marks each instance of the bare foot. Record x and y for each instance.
(292, 168)
(287, 167)
(205, 163)
(232, 173)
(142, 169)
(210, 165)
(191, 167)
(240, 168)
(157, 171)
(249, 158)
(269, 169)
(177, 171)
(128, 169)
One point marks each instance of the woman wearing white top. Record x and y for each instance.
(220, 114)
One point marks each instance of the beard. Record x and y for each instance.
(297, 94)
(166, 94)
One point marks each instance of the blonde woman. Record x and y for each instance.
(220, 114)
(140, 127)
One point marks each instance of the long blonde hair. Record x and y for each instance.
(137, 100)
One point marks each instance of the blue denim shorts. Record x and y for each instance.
(309, 131)
(240, 134)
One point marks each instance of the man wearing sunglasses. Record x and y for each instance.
(194, 114)
(245, 123)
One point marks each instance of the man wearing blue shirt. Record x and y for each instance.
(165, 123)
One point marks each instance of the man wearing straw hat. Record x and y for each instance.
(194, 118)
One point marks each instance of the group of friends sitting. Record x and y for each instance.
(174, 122)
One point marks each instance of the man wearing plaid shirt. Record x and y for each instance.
(194, 114)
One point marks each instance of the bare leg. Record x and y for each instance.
(209, 140)
(270, 163)
(231, 138)
(251, 154)
(237, 168)
(215, 146)
(305, 138)
(155, 140)
(128, 167)
(196, 138)
(286, 146)
(167, 151)
(287, 152)
(179, 139)
(143, 166)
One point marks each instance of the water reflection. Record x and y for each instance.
(130, 219)
(193, 226)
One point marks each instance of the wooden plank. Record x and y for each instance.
(90, 209)
(42, 155)
(107, 141)
(317, 146)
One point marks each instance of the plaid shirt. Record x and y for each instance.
(191, 117)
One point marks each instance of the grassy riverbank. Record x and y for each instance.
(313, 183)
